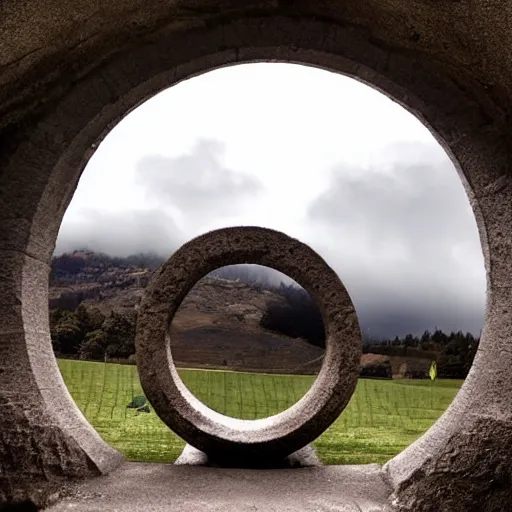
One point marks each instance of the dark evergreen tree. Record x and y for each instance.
(65, 332)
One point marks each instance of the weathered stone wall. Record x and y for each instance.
(43, 436)
(46, 46)
(70, 71)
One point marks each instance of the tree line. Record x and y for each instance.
(299, 317)
(88, 334)
(454, 351)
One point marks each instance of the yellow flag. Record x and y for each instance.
(433, 371)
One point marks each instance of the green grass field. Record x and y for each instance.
(382, 418)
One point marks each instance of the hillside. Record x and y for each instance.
(216, 326)
(218, 323)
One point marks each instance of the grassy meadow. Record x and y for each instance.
(382, 418)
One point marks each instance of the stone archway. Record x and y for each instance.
(78, 72)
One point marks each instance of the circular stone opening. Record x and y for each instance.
(221, 437)
(349, 166)
(248, 341)
(483, 155)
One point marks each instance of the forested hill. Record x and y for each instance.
(94, 301)
(88, 266)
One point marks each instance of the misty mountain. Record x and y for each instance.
(83, 266)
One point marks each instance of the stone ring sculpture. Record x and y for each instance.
(226, 440)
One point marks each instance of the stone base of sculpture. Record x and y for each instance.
(303, 458)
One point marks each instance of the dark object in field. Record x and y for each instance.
(137, 402)
(144, 408)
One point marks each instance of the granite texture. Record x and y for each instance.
(44, 439)
(69, 71)
(229, 441)
(137, 487)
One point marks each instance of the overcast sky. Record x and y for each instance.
(317, 155)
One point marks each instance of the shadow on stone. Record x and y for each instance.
(304, 458)
(21, 506)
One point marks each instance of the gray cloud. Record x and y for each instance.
(121, 234)
(197, 183)
(405, 242)
(402, 235)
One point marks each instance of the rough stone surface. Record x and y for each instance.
(487, 489)
(230, 441)
(70, 70)
(44, 439)
(470, 445)
(137, 487)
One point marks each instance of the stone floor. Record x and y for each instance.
(161, 487)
